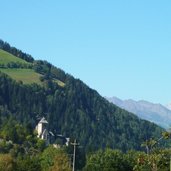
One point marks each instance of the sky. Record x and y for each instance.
(118, 47)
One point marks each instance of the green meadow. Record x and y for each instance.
(27, 76)
(6, 58)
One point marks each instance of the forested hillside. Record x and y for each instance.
(71, 107)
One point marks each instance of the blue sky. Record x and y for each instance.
(120, 48)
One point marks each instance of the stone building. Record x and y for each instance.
(42, 130)
(48, 136)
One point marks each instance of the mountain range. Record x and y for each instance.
(30, 89)
(152, 112)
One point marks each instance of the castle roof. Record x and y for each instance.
(43, 120)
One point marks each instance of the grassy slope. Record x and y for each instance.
(6, 58)
(27, 76)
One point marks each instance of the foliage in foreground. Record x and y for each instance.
(155, 158)
(115, 160)
(21, 150)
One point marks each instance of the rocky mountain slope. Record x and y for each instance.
(156, 113)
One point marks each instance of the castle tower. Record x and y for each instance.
(42, 130)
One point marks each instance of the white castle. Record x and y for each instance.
(42, 131)
(46, 135)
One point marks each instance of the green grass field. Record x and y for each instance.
(27, 76)
(6, 58)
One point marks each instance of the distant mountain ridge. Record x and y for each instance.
(168, 106)
(156, 113)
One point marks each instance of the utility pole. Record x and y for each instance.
(73, 162)
(170, 163)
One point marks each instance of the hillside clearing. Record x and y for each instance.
(27, 76)
(6, 58)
